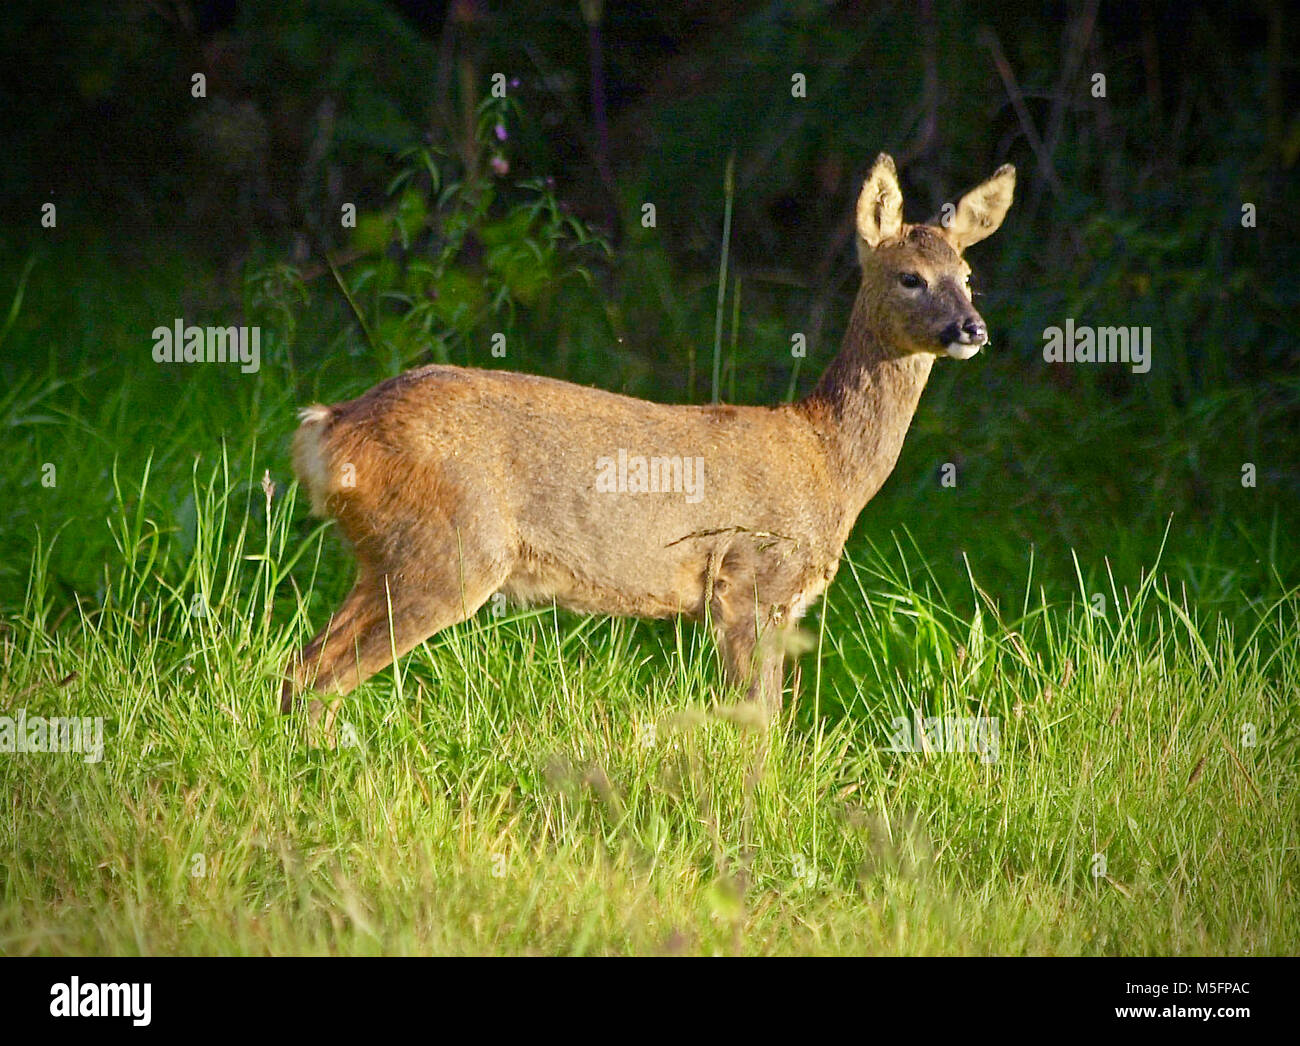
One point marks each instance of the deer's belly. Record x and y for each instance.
(623, 587)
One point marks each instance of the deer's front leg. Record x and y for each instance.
(753, 658)
(750, 644)
(769, 672)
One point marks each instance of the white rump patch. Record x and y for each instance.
(311, 415)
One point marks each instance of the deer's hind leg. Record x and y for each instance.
(386, 615)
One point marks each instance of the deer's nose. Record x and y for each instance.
(970, 331)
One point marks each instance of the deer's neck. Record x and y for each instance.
(864, 404)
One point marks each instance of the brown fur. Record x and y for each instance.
(453, 484)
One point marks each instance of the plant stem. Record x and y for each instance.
(729, 189)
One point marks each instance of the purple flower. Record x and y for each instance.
(501, 132)
(500, 165)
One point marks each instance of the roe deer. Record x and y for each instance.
(454, 483)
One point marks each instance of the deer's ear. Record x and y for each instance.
(980, 211)
(880, 207)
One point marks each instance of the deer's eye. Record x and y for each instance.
(910, 280)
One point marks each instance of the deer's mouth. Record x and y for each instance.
(963, 339)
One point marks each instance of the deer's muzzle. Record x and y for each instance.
(962, 340)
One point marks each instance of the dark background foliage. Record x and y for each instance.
(524, 218)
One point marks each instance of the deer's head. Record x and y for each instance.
(914, 276)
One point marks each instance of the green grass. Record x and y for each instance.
(546, 783)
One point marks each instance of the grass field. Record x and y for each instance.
(1099, 584)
